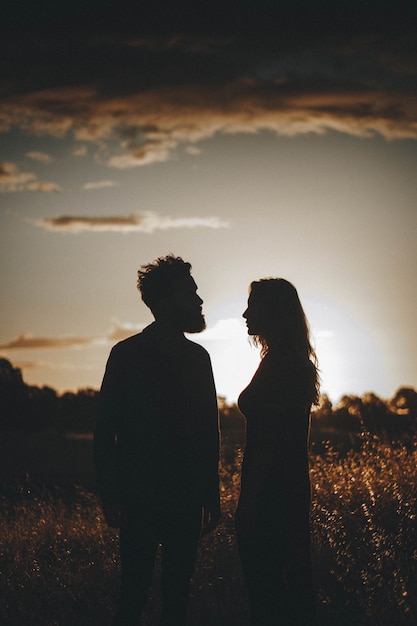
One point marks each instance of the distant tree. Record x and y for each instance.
(42, 409)
(376, 416)
(348, 414)
(322, 421)
(403, 406)
(9, 375)
(28, 407)
(13, 397)
(79, 410)
(404, 402)
(34, 408)
(392, 420)
(232, 422)
(322, 414)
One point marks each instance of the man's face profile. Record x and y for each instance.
(186, 306)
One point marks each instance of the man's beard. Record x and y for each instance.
(195, 323)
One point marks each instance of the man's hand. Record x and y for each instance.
(115, 516)
(211, 516)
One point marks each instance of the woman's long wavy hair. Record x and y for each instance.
(283, 324)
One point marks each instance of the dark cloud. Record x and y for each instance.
(145, 223)
(146, 77)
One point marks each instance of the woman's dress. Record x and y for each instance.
(276, 559)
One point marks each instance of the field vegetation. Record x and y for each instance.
(59, 561)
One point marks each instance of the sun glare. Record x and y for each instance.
(233, 358)
(350, 359)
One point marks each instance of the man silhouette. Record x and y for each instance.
(156, 444)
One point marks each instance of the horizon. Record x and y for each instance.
(224, 401)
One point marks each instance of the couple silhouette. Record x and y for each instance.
(156, 448)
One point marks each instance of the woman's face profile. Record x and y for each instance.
(252, 316)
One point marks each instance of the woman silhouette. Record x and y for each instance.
(273, 514)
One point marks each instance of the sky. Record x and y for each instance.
(254, 139)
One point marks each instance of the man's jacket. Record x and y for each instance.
(157, 432)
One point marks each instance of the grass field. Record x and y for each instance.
(59, 561)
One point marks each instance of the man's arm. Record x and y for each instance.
(105, 441)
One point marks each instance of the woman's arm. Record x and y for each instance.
(246, 512)
(265, 444)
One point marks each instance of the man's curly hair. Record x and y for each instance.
(157, 279)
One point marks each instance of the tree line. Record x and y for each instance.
(33, 408)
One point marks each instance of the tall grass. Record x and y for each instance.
(365, 534)
(59, 560)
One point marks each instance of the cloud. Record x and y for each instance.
(223, 331)
(144, 223)
(29, 342)
(120, 331)
(188, 114)
(280, 69)
(117, 332)
(193, 150)
(148, 153)
(39, 156)
(80, 151)
(48, 365)
(13, 180)
(43, 186)
(226, 330)
(100, 184)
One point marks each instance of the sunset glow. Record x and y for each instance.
(245, 157)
